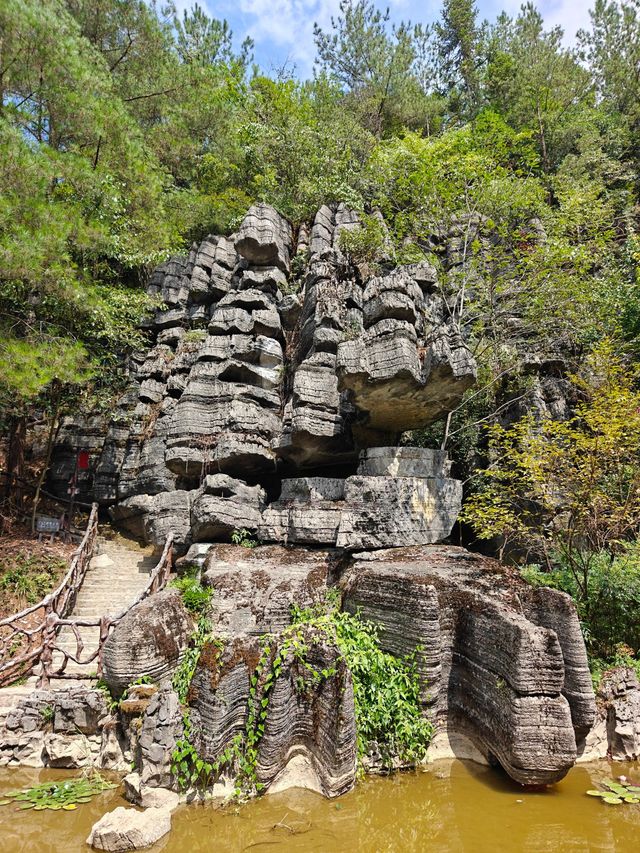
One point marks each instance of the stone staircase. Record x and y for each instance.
(117, 574)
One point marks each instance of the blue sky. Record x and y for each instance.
(283, 29)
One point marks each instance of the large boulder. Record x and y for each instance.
(490, 667)
(129, 829)
(150, 640)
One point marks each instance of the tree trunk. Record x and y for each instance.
(15, 459)
(47, 457)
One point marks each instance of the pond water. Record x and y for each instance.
(449, 806)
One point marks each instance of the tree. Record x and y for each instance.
(536, 83)
(458, 49)
(374, 63)
(612, 50)
(567, 491)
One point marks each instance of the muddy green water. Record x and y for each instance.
(450, 806)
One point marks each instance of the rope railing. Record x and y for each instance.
(31, 636)
(28, 627)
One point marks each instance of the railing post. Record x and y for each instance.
(48, 640)
(105, 625)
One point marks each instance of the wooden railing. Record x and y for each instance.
(157, 581)
(23, 636)
(31, 636)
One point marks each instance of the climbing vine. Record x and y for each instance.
(386, 688)
(386, 694)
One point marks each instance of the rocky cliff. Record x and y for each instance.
(270, 401)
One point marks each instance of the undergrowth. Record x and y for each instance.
(195, 597)
(386, 694)
(27, 577)
(386, 688)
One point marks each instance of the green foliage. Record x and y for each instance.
(623, 656)
(386, 688)
(366, 244)
(194, 596)
(183, 674)
(573, 485)
(28, 577)
(244, 538)
(64, 794)
(47, 714)
(610, 614)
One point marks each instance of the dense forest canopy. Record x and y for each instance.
(128, 131)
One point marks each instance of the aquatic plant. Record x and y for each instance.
(616, 793)
(64, 794)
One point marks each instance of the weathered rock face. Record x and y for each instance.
(68, 728)
(253, 588)
(278, 378)
(492, 667)
(618, 701)
(310, 733)
(309, 737)
(161, 728)
(417, 504)
(150, 640)
(244, 380)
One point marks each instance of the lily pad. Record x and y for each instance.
(56, 795)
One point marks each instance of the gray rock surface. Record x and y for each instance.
(418, 505)
(264, 238)
(242, 381)
(310, 730)
(161, 727)
(619, 701)
(129, 829)
(150, 640)
(253, 588)
(501, 676)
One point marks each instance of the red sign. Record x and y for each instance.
(83, 460)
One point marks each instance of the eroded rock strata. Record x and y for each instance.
(268, 408)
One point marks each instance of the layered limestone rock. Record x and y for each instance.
(309, 737)
(253, 588)
(149, 641)
(309, 734)
(252, 370)
(492, 668)
(268, 405)
(399, 495)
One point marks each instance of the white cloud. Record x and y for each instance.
(287, 25)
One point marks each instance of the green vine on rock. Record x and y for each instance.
(386, 695)
(386, 688)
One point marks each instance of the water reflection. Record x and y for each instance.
(451, 806)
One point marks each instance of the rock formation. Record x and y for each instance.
(490, 667)
(269, 408)
(149, 641)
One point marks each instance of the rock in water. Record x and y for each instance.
(129, 829)
(490, 670)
